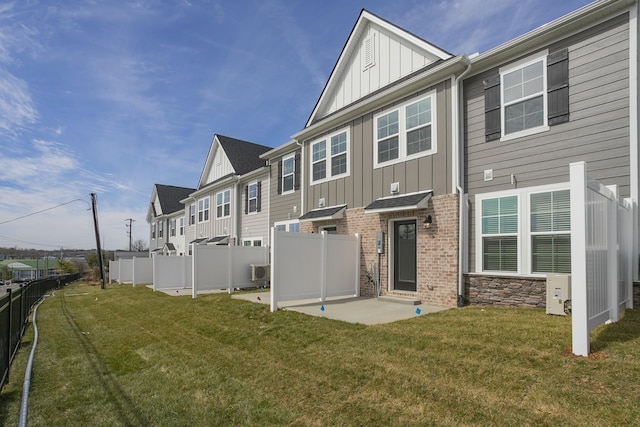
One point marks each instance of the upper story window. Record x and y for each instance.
(252, 197)
(153, 230)
(172, 227)
(192, 214)
(528, 96)
(406, 132)
(330, 157)
(288, 173)
(181, 226)
(223, 204)
(203, 210)
(160, 229)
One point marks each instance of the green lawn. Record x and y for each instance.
(129, 356)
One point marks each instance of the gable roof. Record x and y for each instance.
(170, 196)
(367, 22)
(243, 156)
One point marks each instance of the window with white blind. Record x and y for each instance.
(524, 231)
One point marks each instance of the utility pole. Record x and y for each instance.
(130, 230)
(95, 225)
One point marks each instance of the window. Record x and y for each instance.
(406, 132)
(172, 227)
(223, 204)
(203, 210)
(290, 226)
(181, 226)
(523, 96)
(526, 231)
(252, 197)
(288, 173)
(153, 230)
(330, 157)
(551, 232)
(254, 241)
(500, 234)
(192, 214)
(160, 229)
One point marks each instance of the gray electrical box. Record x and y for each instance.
(559, 294)
(380, 242)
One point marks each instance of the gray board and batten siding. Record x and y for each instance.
(284, 206)
(597, 132)
(364, 184)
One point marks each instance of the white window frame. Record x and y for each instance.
(402, 131)
(160, 229)
(255, 198)
(224, 202)
(329, 157)
(172, 227)
(288, 225)
(204, 205)
(181, 225)
(252, 241)
(539, 57)
(531, 234)
(292, 174)
(524, 228)
(192, 214)
(153, 230)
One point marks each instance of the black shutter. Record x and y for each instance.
(296, 175)
(492, 125)
(246, 199)
(280, 177)
(259, 197)
(558, 87)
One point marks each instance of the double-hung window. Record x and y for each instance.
(330, 157)
(223, 204)
(524, 231)
(172, 227)
(524, 97)
(181, 231)
(288, 173)
(153, 230)
(550, 232)
(405, 132)
(500, 234)
(192, 214)
(160, 229)
(203, 210)
(252, 197)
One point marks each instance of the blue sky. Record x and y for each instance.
(113, 96)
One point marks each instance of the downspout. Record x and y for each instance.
(236, 211)
(459, 167)
(302, 211)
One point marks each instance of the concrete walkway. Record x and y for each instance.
(368, 311)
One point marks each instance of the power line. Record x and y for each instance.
(43, 210)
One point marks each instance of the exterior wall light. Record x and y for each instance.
(427, 222)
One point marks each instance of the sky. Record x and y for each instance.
(111, 97)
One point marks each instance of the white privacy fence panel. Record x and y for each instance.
(305, 266)
(142, 270)
(171, 272)
(224, 267)
(114, 267)
(600, 256)
(125, 271)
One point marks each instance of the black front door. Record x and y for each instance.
(404, 255)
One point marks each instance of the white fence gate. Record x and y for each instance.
(601, 255)
(305, 266)
(171, 272)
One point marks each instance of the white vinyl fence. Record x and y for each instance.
(134, 270)
(142, 271)
(224, 267)
(305, 266)
(601, 255)
(171, 272)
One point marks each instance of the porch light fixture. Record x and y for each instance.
(427, 222)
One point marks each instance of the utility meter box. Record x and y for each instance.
(559, 294)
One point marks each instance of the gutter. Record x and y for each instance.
(459, 166)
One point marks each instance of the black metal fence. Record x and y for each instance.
(15, 307)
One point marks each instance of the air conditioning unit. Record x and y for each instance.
(260, 272)
(559, 294)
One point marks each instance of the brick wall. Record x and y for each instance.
(437, 248)
(505, 291)
(636, 295)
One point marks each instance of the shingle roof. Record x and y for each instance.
(404, 202)
(334, 212)
(243, 155)
(170, 197)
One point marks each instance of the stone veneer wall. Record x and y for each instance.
(437, 248)
(505, 291)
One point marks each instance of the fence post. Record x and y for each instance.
(628, 249)
(9, 333)
(579, 314)
(274, 271)
(357, 269)
(194, 272)
(612, 254)
(230, 268)
(323, 270)
(133, 271)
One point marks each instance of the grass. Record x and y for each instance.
(129, 356)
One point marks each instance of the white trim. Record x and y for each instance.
(633, 129)
(530, 60)
(291, 156)
(328, 157)
(228, 190)
(287, 224)
(249, 198)
(252, 240)
(205, 210)
(402, 131)
(524, 229)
